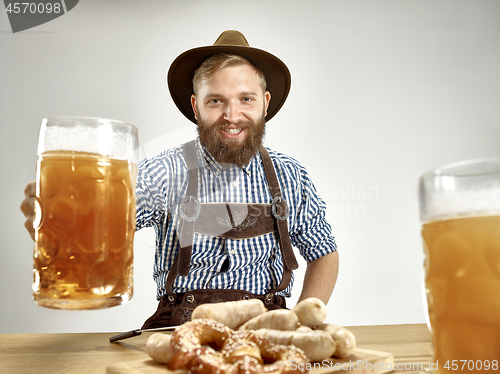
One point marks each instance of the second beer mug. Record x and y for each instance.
(460, 213)
(85, 213)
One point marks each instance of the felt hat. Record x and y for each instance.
(181, 72)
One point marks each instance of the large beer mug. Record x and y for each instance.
(460, 213)
(84, 213)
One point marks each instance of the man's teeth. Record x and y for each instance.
(233, 131)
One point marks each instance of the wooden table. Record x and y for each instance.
(92, 352)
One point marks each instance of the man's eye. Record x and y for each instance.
(247, 99)
(214, 101)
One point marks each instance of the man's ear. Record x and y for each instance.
(267, 99)
(193, 105)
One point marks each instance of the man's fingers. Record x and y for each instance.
(29, 226)
(28, 207)
(30, 189)
(28, 204)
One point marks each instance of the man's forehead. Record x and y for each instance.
(240, 78)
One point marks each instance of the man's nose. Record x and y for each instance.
(232, 112)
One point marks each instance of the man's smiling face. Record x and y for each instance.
(230, 109)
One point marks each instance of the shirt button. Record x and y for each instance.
(232, 251)
(234, 183)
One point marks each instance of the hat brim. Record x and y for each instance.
(181, 72)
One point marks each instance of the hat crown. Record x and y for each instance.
(232, 37)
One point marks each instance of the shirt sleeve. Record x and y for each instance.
(311, 233)
(150, 202)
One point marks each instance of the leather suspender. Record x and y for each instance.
(190, 209)
(281, 220)
(190, 205)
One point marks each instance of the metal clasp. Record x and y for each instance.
(273, 208)
(269, 297)
(186, 199)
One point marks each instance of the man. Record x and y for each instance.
(225, 209)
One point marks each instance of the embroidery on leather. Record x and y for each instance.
(241, 222)
(186, 315)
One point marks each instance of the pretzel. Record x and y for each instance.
(254, 354)
(192, 340)
(208, 347)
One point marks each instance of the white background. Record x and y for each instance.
(382, 91)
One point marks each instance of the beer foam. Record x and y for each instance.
(446, 204)
(101, 140)
(465, 188)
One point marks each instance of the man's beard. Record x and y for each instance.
(232, 151)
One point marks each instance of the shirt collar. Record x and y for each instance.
(215, 167)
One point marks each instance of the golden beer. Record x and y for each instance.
(463, 292)
(83, 255)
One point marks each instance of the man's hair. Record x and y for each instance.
(213, 64)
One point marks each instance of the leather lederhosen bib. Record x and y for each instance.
(230, 221)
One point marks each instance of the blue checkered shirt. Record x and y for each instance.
(255, 264)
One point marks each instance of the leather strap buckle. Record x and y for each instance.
(273, 208)
(185, 200)
(269, 297)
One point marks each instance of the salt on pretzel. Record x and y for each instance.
(196, 338)
(265, 357)
(206, 347)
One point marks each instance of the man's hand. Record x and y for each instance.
(28, 207)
